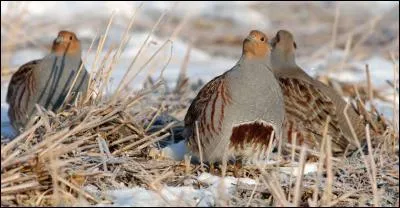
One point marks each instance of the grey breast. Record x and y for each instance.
(257, 94)
(56, 77)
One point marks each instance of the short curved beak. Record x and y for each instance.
(59, 39)
(250, 38)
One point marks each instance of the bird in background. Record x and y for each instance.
(237, 113)
(47, 81)
(308, 102)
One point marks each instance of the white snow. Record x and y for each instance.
(219, 188)
(381, 69)
(229, 180)
(295, 169)
(175, 151)
(167, 196)
(6, 128)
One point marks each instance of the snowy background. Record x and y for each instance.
(333, 39)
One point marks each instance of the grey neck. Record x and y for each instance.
(253, 71)
(257, 65)
(282, 61)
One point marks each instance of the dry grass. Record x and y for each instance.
(105, 143)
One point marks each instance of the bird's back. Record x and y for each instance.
(355, 121)
(311, 102)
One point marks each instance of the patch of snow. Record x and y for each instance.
(175, 151)
(295, 170)
(380, 68)
(21, 57)
(218, 188)
(375, 7)
(348, 76)
(6, 128)
(167, 196)
(245, 16)
(213, 180)
(386, 109)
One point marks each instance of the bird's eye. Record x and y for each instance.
(262, 39)
(70, 37)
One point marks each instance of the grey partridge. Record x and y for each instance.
(237, 113)
(46, 81)
(308, 102)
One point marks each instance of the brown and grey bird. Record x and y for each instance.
(308, 102)
(46, 81)
(236, 112)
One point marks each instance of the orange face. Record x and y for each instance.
(256, 45)
(66, 43)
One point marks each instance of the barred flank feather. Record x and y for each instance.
(20, 93)
(309, 107)
(204, 102)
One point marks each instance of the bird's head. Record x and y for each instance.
(283, 49)
(66, 43)
(255, 46)
(284, 42)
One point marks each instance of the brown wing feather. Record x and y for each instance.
(307, 105)
(20, 90)
(358, 124)
(207, 99)
(19, 78)
(202, 99)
